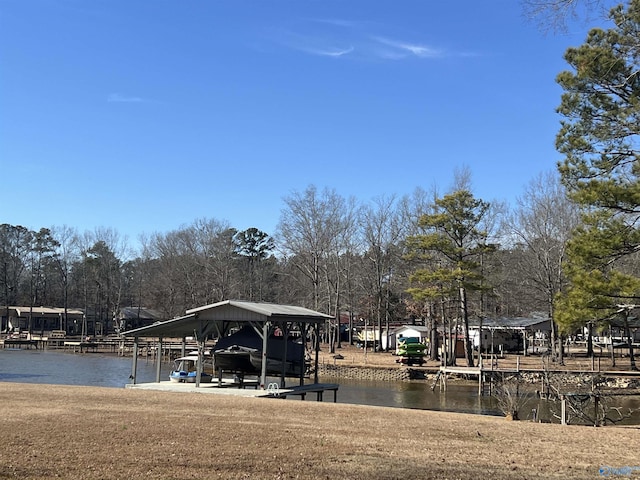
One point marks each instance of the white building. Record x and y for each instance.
(511, 334)
(406, 331)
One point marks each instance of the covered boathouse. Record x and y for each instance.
(217, 320)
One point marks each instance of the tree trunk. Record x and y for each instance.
(613, 353)
(554, 347)
(453, 343)
(468, 348)
(433, 338)
(560, 350)
(377, 344)
(627, 332)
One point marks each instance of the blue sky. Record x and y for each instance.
(143, 116)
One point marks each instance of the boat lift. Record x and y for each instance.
(216, 320)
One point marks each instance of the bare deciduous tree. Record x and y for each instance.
(540, 226)
(383, 232)
(67, 253)
(306, 234)
(555, 15)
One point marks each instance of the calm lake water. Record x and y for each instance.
(94, 369)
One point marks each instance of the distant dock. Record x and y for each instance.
(19, 343)
(81, 346)
(487, 375)
(59, 340)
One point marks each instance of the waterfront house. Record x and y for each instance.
(129, 318)
(40, 319)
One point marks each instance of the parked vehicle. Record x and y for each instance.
(411, 351)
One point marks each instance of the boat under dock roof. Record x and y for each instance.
(215, 320)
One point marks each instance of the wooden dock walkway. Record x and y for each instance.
(302, 390)
(228, 387)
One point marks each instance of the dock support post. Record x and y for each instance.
(159, 359)
(481, 378)
(263, 370)
(134, 362)
(316, 349)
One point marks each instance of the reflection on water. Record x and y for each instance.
(463, 397)
(54, 367)
(94, 369)
(460, 397)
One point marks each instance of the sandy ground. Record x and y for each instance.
(108, 433)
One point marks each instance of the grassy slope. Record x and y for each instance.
(85, 432)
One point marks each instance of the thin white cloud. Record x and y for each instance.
(332, 53)
(387, 54)
(337, 22)
(328, 38)
(422, 51)
(321, 45)
(119, 98)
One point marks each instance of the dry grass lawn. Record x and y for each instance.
(107, 433)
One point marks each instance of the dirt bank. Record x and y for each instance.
(576, 359)
(107, 433)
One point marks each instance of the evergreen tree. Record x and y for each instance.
(455, 244)
(601, 168)
(254, 246)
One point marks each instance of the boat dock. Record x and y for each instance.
(228, 387)
(59, 340)
(487, 375)
(302, 390)
(441, 376)
(19, 343)
(81, 346)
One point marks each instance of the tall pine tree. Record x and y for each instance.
(601, 168)
(455, 243)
